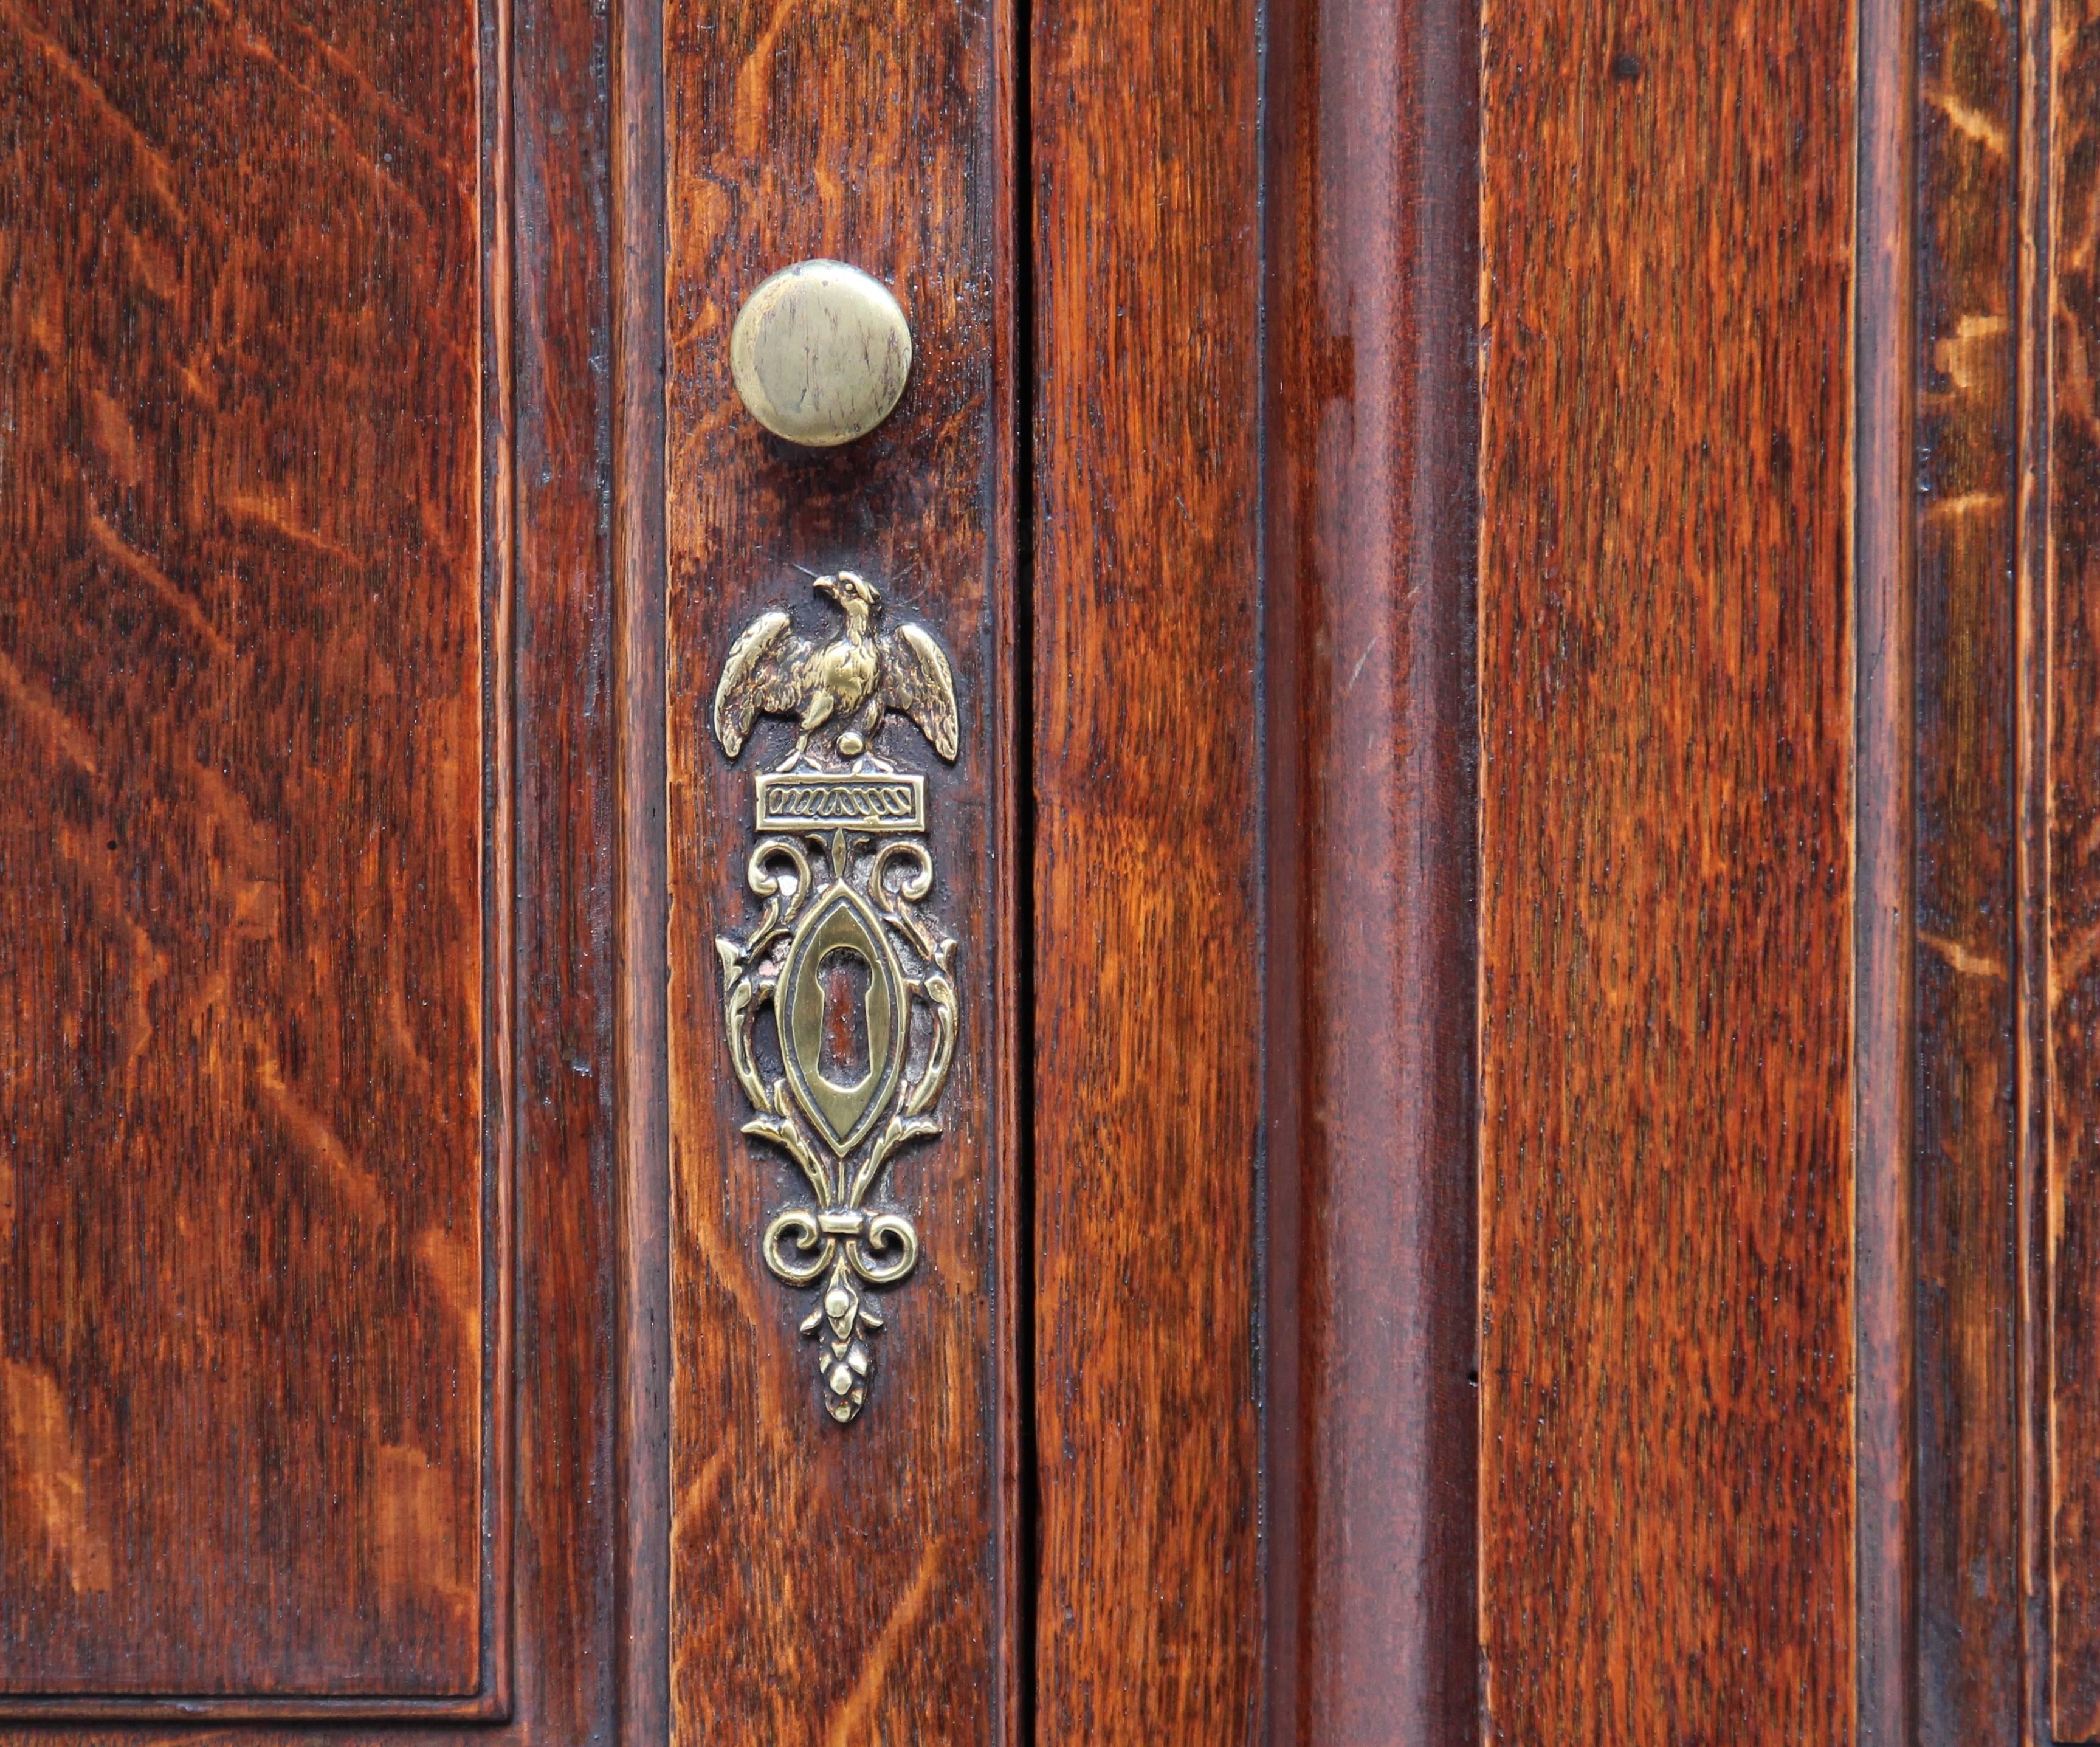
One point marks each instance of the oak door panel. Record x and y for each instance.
(243, 1191)
(1968, 1300)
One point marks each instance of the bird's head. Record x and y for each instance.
(858, 597)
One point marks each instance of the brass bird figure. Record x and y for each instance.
(851, 682)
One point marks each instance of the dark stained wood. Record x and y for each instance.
(543, 389)
(2033, 1187)
(246, 1258)
(854, 1583)
(568, 1658)
(1885, 944)
(1370, 1394)
(1149, 763)
(1666, 657)
(644, 1240)
(364, 575)
(1964, 501)
(2073, 265)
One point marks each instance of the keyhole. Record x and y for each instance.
(844, 977)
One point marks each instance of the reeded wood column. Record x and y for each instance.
(1371, 1388)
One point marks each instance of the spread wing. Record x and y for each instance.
(763, 677)
(917, 682)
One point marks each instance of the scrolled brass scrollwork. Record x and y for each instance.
(868, 821)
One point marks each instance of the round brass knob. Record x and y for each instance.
(820, 353)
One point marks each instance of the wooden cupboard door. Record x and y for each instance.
(1345, 1000)
(1780, 1426)
(304, 1012)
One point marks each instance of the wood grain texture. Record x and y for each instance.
(843, 1584)
(544, 392)
(1370, 1394)
(1149, 767)
(643, 1244)
(555, 272)
(1666, 688)
(2073, 889)
(1885, 943)
(1964, 498)
(2033, 1190)
(241, 875)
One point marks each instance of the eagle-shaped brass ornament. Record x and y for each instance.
(858, 981)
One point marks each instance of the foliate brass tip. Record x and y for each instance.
(820, 353)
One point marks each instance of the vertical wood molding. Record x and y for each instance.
(499, 652)
(2032, 615)
(2068, 557)
(1369, 1390)
(641, 905)
(567, 1663)
(1885, 900)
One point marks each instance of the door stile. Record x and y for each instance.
(1666, 883)
(843, 1474)
(1145, 190)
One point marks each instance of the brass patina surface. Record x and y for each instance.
(842, 863)
(820, 353)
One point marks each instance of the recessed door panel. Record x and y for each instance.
(245, 686)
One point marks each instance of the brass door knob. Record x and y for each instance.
(820, 352)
